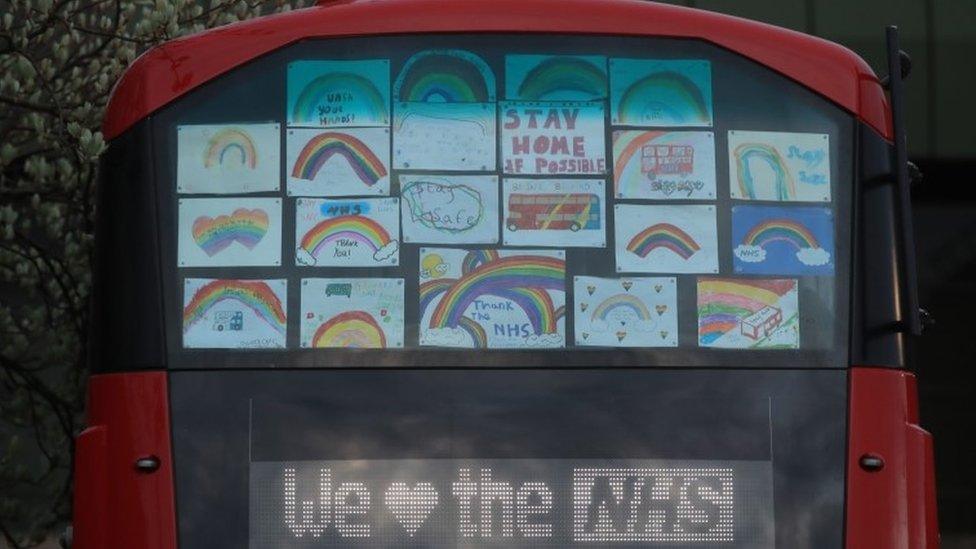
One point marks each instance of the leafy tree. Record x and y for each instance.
(58, 62)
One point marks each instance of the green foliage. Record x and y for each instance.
(58, 62)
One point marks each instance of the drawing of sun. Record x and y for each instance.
(432, 265)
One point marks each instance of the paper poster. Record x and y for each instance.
(341, 162)
(744, 313)
(625, 312)
(234, 314)
(666, 239)
(554, 212)
(449, 209)
(439, 136)
(228, 158)
(492, 298)
(339, 94)
(661, 92)
(787, 167)
(229, 232)
(553, 138)
(782, 240)
(555, 77)
(347, 233)
(445, 76)
(357, 313)
(664, 165)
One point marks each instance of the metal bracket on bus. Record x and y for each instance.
(899, 63)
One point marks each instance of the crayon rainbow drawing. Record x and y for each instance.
(350, 329)
(663, 235)
(256, 295)
(781, 187)
(367, 166)
(664, 97)
(245, 226)
(561, 75)
(230, 147)
(445, 76)
(750, 311)
(781, 230)
(368, 99)
(625, 301)
(356, 228)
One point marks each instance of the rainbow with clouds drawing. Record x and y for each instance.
(663, 235)
(245, 226)
(628, 302)
(559, 78)
(780, 187)
(661, 93)
(230, 147)
(782, 240)
(445, 76)
(366, 165)
(744, 313)
(350, 329)
(357, 228)
(339, 93)
(255, 295)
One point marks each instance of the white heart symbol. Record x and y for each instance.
(410, 507)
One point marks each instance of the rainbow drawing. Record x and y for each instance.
(230, 144)
(350, 329)
(245, 226)
(664, 97)
(663, 235)
(781, 230)
(476, 331)
(475, 258)
(363, 92)
(446, 76)
(367, 166)
(256, 295)
(783, 187)
(523, 279)
(355, 227)
(723, 303)
(621, 301)
(558, 75)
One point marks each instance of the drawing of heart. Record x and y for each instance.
(657, 288)
(661, 309)
(627, 284)
(664, 334)
(591, 289)
(585, 335)
(214, 234)
(411, 506)
(583, 307)
(621, 335)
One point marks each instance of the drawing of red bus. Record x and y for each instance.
(761, 323)
(659, 160)
(553, 212)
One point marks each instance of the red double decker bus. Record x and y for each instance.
(332, 308)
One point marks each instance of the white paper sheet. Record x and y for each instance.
(554, 212)
(228, 158)
(347, 233)
(444, 136)
(788, 167)
(234, 314)
(364, 313)
(340, 162)
(449, 209)
(625, 312)
(553, 138)
(666, 239)
(229, 232)
(748, 313)
(664, 165)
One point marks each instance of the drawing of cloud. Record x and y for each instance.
(303, 257)
(385, 252)
(447, 337)
(813, 256)
(543, 340)
(750, 254)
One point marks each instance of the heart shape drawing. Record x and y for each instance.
(657, 288)
(661, 309)
(411, 506)
(664, 334)
(621, 335)
(627, 284)
(214, 234)
(590, 289)
(583, 307)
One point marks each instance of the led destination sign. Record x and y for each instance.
(510, 503)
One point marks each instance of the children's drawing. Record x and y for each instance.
(625, 312)
(445, 76)
(664, 165)
(657, 92)
(444, 115)
(337, 94)
(359, 313)
(349, 162)
(743, 313)
(553, 138)
(229, 232)
(555, 77)
(666, 239)
(786, 167)
(554, 212)
(439, 136)
(228, 158)
(234, 314)
(449, 209)
(782, 240)
(492, 298)
(347, 233)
